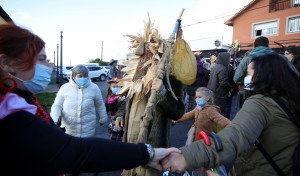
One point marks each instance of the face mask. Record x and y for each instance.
(200, 102)
(247, 81)
(40, 80)
(82, 81)
(208, 68)
(115, 90)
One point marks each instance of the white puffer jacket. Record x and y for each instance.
(78, 106)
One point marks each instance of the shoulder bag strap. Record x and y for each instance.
(263, 151)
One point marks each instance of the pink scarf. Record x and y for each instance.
(11, 103)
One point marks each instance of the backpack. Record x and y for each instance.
(296, 156)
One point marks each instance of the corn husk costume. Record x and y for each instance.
(148, 118)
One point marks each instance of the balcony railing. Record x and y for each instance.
(276, 5)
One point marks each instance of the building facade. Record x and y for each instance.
(279, 20)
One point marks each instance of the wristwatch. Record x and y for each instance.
(151, 151)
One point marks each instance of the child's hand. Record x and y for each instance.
(119, 124)
(174, 122)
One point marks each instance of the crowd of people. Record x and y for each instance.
(265, 81)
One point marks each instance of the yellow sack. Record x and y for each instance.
(184, 65)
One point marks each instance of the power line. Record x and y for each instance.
(215, 18)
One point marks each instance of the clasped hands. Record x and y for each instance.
(170, 159)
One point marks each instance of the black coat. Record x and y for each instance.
(191, 89)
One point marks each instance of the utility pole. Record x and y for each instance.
(54, 59)
(102, 51)
(57, 80)
(61, 60)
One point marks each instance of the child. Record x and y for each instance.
(112, 105)
(206, 115)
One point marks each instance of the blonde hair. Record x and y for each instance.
(208, 93)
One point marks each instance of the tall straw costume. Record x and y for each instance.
(148, 114)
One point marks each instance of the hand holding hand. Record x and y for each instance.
(161, 153)
(119, 124)
(175, 162)
(157, 85)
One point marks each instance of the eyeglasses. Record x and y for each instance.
(287, 53)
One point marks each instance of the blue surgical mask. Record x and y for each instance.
(200, 102)
(40, 80)
(115, 90)
(82, 81)
(208, 68)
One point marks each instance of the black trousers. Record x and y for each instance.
(221, 102)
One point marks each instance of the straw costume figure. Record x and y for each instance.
(148, 113)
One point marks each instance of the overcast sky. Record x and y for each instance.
(85, 24)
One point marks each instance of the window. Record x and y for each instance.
(97, 68)
(294, 24)
(265, 29)
(91, 68)
(295, 3)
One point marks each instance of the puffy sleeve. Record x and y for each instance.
(187, 116)
(57, 107)
(215, 116)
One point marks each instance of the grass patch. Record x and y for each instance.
(46, 99)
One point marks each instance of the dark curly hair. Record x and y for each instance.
(274, 77)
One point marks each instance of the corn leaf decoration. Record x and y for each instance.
(150, 42)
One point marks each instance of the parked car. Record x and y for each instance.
(64, 68)
(95, 72)
(106, 68)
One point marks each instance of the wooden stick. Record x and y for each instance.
(181, 14)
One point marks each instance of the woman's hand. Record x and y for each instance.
(175, 162)
(159, 154)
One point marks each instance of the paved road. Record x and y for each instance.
(178, 132)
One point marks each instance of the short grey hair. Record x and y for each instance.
(208, 93)
(80, 69)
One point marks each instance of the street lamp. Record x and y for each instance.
(61, 60)
(57, 78)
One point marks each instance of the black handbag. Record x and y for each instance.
(58, 124)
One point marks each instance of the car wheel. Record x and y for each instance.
(102, 77)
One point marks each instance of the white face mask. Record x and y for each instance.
(247, 82)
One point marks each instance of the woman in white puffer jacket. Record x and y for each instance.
(78, 102)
